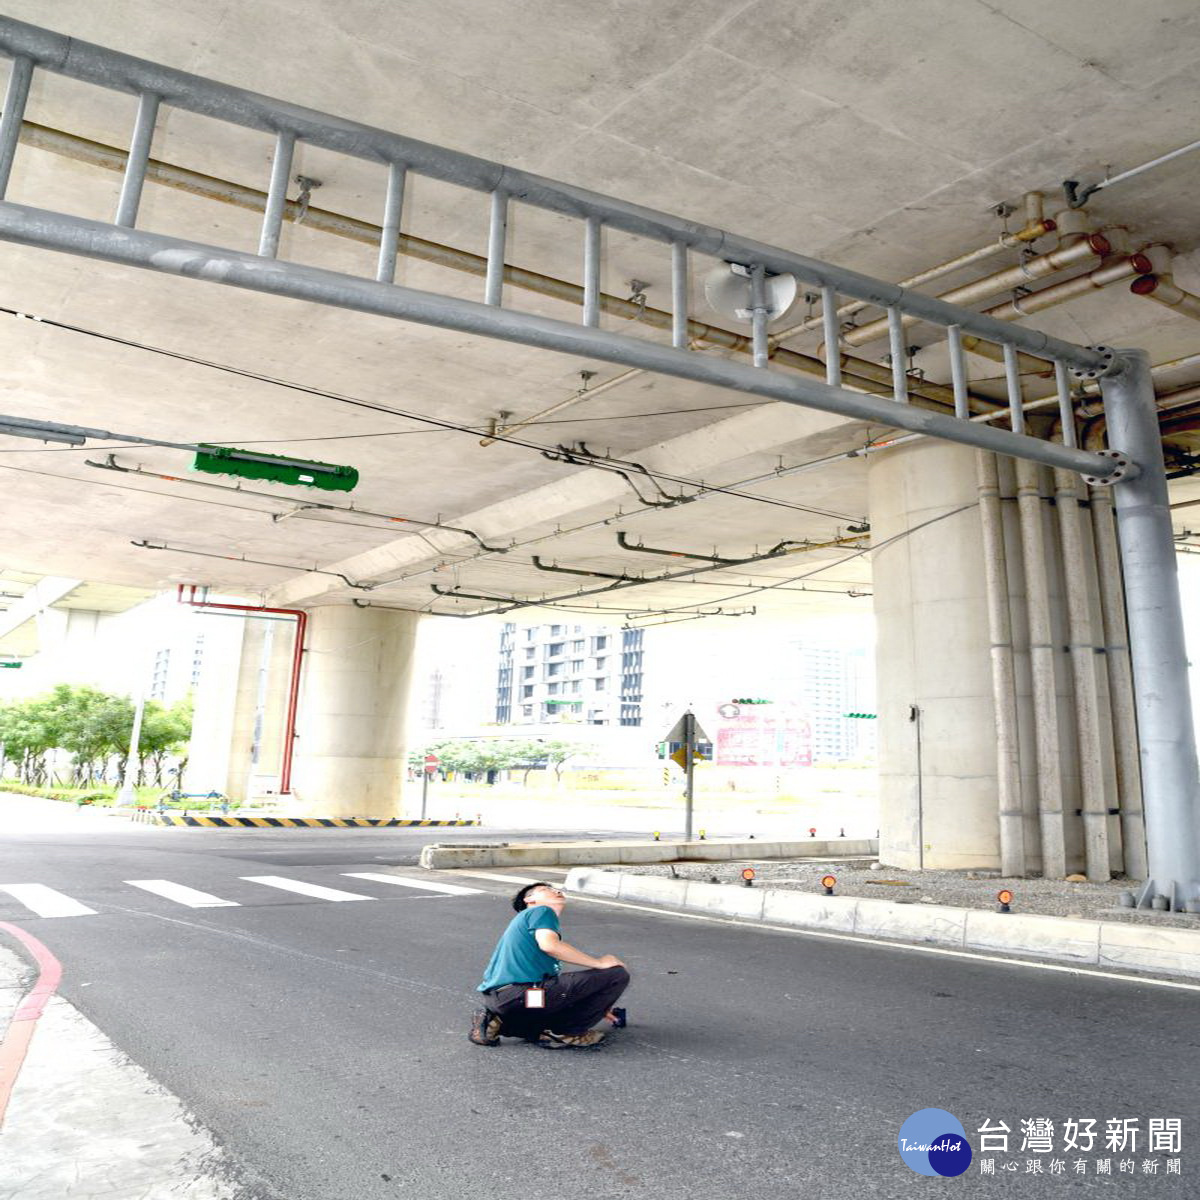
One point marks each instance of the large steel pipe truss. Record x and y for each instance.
(1172, 792)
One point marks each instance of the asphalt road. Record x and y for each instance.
(324, 1043)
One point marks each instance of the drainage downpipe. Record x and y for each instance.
(1120, 684)
(1094, 754)
(1041, 659)
(1004, 686)
(1073, 253)
(289, 731)
(1110, 271)
(1034, 229)
(1163, 289)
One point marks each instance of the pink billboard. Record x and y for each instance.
(761, 735)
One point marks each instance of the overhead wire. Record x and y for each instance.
(436, 422)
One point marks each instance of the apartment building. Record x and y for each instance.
(591, 675)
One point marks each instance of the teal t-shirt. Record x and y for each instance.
(517, 957)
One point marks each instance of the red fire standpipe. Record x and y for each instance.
(289, 737)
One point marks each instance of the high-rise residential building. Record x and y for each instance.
(592, 675)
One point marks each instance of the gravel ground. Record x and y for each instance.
(961, 889)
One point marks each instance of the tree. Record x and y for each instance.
(91, 725)
(164, 730)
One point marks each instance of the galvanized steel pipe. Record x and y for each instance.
(92, 239)
(1170, 781)
(111, 69)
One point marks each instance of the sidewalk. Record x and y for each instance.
(86, 1123)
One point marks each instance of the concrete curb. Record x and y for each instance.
(1104, 944)
(87, 1122)
(177, 821)
(551, 854)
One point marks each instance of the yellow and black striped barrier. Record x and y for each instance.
(207, 822)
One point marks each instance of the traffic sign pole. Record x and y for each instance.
(429, 766)
(689, 744)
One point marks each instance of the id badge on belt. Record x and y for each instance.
(535, 997)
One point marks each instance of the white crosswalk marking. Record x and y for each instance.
(45, 901)
(449, 889)
(304, 889)
(181, 894)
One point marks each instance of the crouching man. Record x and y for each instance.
(524, 994)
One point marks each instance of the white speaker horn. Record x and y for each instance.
(727, 290)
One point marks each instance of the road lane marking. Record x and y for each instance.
(449, 889)
(304, 889)
(180, 894)
(45, 901)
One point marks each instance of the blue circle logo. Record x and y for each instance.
(933, 1142)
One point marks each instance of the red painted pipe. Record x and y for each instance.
(285, 772)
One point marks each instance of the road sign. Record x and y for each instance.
(432, 762)
(678, 732)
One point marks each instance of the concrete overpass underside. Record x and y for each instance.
(934, 153)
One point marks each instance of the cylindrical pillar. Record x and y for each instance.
(937, 764)
(1170, 782)
(350, 754)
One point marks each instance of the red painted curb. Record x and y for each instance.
(20, 1030)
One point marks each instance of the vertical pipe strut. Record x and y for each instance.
(899, 358)
(679, 295)
(958, 372)
(833, 346)
(1120, 684)
(14, 110)
(281, 170)
(493, 284)
(1041, 660)
(389, 238)
(1066, 410)
(1170, 783)
(758, 313)
(135, 164)
(1096, 769)
(591, 272)
(1004, 686)
(1012, 377)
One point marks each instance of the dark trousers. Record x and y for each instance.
(575, 1001)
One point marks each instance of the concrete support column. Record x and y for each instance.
(937, 752)
(1005, 569)
(260, 708)
(350, 756)
(213, 714)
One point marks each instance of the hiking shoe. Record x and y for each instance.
(485, 1028)
(591, 1040)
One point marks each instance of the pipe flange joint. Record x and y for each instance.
(1125, 469)
(1107, 367)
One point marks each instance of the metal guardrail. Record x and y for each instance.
(158, 87)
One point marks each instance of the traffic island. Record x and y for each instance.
(565, 854)
(184, 820)
(1110, 945)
